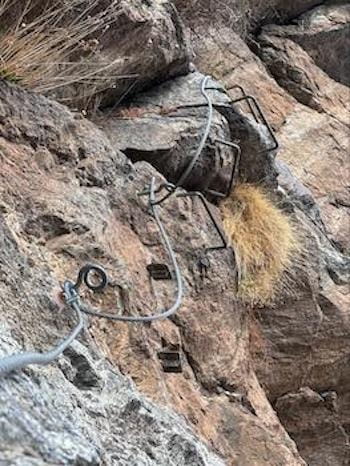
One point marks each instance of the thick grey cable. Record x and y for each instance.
(178, 277)
(200, 148)
(18, 361)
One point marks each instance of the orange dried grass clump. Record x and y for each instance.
(266, 244)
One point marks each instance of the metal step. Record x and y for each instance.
(159, 271)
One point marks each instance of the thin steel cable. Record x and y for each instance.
(200, 148)
(21, 360)
(178, 276)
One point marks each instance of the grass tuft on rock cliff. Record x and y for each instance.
(266, 244)
(47, 46)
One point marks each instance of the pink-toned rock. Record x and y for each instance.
(253, 381)
(296, 72)
(223, 54)
(60, 209)
(302, 342)
(316, 147)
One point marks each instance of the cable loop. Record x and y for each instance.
(178, 277)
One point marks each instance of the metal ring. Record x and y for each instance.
(83, 276)
(101, 277)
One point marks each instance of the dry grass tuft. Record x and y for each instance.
(267, 247)
(50, 45)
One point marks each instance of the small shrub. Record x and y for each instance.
(266, 244)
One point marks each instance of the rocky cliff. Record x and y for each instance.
(262, 386)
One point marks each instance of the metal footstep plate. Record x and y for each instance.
(159, 271)
(171, 360)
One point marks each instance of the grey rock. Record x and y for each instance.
(297, 72)
(48, 419)
(135, 44)
(151, 39)
(80, 410)
(324, 425)
(163, 126)
(287, 11)
(255, 14)
(77, 201)
(334, 263)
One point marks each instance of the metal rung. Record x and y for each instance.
(205, 204)
(257, 114)
(215, 193)
(159, 271)
(214, 88)
(186, 173)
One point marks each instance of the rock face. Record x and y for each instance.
(164, 127)
(83, 411)
(289, 10)
(81, 204)
(315, 30)
(297, 72)
(308, 107)
(150, 40)
(243, 16)
(308, 133)
(323, 424)
(258, 387)
(132, 44)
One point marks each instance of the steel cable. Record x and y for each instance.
(200, 148)
(70, 289)
(18, 361)
(21, 360)
(178, 278)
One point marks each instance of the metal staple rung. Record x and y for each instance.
(234, 171)
(171, 359)
(178, 277)
(244, 94)
(252, 108)
(184, 176)
(211, 216)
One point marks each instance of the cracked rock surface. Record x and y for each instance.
(258, 387)
(85, 412)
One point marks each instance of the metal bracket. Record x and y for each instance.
(171, 188)
(159, 271)
(171, 359)
(234, 171)
(101, 278)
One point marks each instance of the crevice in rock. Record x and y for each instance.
(49, 226)
(83, 375)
